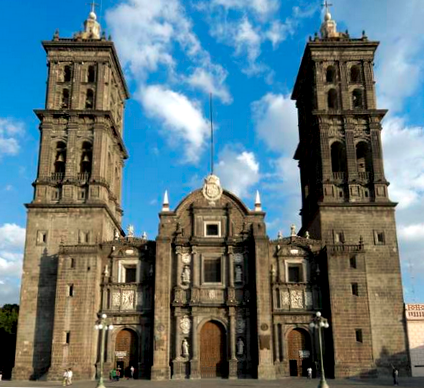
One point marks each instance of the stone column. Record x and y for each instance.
(276, 343)
(232, 363)
(194, 363)
(231, 266)
(178, 251)
(280, 270)
(196, 267)
(178, 361)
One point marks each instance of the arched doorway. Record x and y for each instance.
(212, 351)
(126, 351)
(299, 352)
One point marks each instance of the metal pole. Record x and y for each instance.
(100, 384)
(322, 383)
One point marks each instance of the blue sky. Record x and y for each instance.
(247, 52)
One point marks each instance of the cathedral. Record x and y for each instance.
(212, 295)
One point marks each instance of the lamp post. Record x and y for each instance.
(103, 326)
(317, 323)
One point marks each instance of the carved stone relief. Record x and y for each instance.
(185, 325)
(296, 299)
(127, 300)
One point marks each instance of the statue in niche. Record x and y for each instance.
(239, 274)
(240, 347)
(185, 348)
(185, 276)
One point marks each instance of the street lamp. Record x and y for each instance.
(319, 322)
(103, 326)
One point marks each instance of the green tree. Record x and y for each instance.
(8, 327)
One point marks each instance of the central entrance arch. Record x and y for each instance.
(299, 352)
(212, 351)
(126, 351)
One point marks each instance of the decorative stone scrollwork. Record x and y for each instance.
(212, 294)
(116, 299)
(185, 325)
(127, 300)
(296, 299)
(212, 189)
(285, 298)
(308, 299)
(186, 258)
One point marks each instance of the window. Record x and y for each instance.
(86, 158)
(355, 74)
(81, 194)
(67, 337)
(358, 333)
(130, 274)
(295, 273)
(355, 289)
(71, 290)
(352, 262)
(89, 99)
(60, 160)
(65, 99)
(55, 194)
(379, 238)
(330, 75)
(72, 264)
(212, 270)
(332, 99)
(41, 237)
(357, 100)
(67, 74)
(91, 74)
(363, 157)
(212, 229)
(338, 157)
(339, 237)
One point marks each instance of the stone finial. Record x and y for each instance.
(307, 235)
(258, 205)
(130, 230)
(280, 235)
(144, 236)
(293, 230)
(165, 205)
(56, 35)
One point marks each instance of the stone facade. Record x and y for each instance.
(415, 326)
(212, 295)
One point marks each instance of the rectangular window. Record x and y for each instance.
(353, 263)
(71, 290)
(355, 289)
(212, 229)
(72, 264)
(130, 274)
(358, 335)
(212, 270)
(67, 337)
(295, 273)
(379, 238)
(339, 237)
(41, 237)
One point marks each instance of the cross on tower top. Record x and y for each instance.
(327, 5)
(93, 5)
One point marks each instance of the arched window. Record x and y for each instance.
(330, 75)
(86, 158)
(89, 99)
(355, 74)
(357, 99)
(91, 74)
(67, 73)
(338, 157)
(363, 157)
(60, 158)
(332, 99)
(65, 99)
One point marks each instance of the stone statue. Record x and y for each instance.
(117, 235)
(130, 230)
(106, 272)
(240, 347)
(239, 274)
(293, 230)
(185, 348)
(185, 276)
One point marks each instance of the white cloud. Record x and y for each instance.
(275, 119)
(10, 131)
(414, 232)
(149, 34)
(12, 240)
(238, 171)
(404, 161)
(181, 117)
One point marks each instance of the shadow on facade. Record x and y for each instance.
(44, 318)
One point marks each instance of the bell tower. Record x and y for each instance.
(77, 191)
(345, 200)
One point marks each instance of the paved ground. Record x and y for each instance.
(417, 382)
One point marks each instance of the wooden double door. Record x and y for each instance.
(213, 360)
